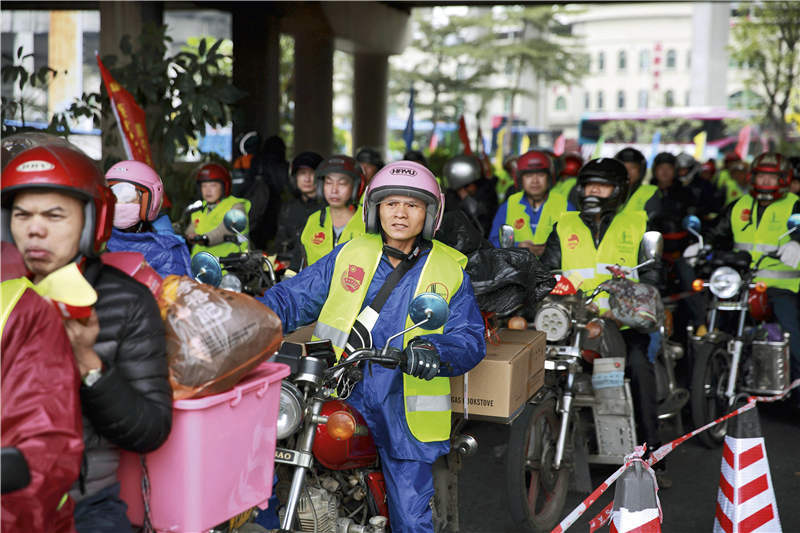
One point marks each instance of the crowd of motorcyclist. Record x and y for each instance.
(361, 237)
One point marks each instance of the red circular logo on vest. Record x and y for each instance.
(519, 223)
(573, 241)
(352, 278)
(438, 288)
(745, 216)
(318, 238)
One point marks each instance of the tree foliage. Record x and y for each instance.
(767, 42)
(642, 131)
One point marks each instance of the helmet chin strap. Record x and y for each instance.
(400, 254)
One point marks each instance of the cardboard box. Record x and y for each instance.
(508, 376)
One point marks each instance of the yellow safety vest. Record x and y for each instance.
(10, 293)
(586, 266)
(427, 403)
(640, 197)
(732, 190)
(563, 187)
(205, 221)
(518, 218)
(317, 239)
(761, 236)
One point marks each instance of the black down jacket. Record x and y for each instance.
(130, 406)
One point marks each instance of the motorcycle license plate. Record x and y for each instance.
(283, 455)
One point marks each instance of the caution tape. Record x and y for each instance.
(605, 515)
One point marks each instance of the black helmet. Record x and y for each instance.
(305, 159)
(690, 164)
(462, 170)
(610, 172)
(416, 156)
(248, 142)
(365, 154)
(632, 155)
(664, 157)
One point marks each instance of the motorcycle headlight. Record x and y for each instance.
(231, 283)
(290, 410)
(725, 282)
(554, 321)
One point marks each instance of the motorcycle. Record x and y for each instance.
(336, 482)
(250, 272)
(577, 417)
(751, 360)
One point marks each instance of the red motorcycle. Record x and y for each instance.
(336, 482)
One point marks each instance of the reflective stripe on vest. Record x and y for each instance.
(10, 293)
(640, 197)
(761, 236)
(317, 239)
(763, 248)
(517, 217)
(620, 246)
(208, 221)
(427, 403)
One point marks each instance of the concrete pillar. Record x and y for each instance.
(313, 93)
(370, 96)
(256, 70)
(65, 53)
(710, 26)
(118, 19)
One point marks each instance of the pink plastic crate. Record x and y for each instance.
(218, 459)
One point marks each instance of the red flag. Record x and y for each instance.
(462, 133)
(744, 142)
(559, 144)
(434, 141)
(130, 118)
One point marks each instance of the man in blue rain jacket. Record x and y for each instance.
(402, 210)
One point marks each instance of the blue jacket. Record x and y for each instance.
(166, 253)
(379, 397)
(500, 218)
(163, 225)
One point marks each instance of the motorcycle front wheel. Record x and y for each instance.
(536, 491)
(708, 401)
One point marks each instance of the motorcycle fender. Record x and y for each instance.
(377, 488)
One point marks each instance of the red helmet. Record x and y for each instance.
(214, 172)
(770, 163)
(64, 168)
(709, 168)
(730, 157)
(535, 161)
(572, 163)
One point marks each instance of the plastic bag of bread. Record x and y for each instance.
(214, 337)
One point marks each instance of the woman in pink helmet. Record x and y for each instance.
(402, 210)
(140, 193)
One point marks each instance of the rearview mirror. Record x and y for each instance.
(506, 236)
(206, 269)
(652, 245)
(791, 225)
(429, 308)
(691, 223)
(235, 221)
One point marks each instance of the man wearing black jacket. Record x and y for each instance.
(583, 243)
(294, 215)
(60, 211)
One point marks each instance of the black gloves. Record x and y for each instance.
(420, 359)
(198, 239)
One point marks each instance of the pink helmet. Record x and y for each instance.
(409, 179)
(146, 181)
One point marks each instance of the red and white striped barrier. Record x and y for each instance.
(605, 515)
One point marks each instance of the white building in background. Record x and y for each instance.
(648, 56)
